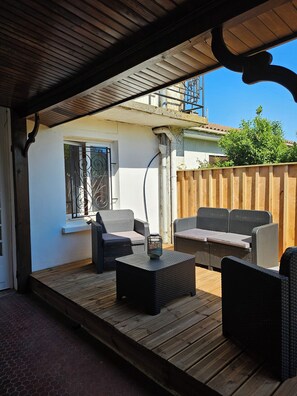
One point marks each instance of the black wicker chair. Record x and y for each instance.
(259, 309)
(116, 233)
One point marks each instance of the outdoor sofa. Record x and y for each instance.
(259, 310)
(217, 232)
(116, 233)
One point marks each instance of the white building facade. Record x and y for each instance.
(135, 135)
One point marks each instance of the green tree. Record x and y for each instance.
(258, 141)
(291, 154)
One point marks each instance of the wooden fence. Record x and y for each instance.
(263, 187)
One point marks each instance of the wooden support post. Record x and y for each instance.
(21, 201)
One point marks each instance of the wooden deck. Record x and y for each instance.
(182, 348)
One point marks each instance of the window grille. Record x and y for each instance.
(87, 177)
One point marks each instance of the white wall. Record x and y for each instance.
(132, 148)
(196, 151)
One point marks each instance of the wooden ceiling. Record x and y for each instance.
(68, 58)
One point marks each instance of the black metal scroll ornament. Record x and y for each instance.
(254, 68)
(32, 135)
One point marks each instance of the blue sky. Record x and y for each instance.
(228, 100)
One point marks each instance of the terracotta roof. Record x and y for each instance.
(218, 127)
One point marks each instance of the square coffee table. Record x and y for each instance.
(153, 283)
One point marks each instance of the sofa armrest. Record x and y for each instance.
(186, 223)
(265, 245)
(142, 228)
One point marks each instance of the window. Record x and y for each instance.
(214, 158)
(87, 178)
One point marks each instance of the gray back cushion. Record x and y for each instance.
(116, 220)
(243, 221)
(216, 219)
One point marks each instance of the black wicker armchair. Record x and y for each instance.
(116, 233)
(259, 308)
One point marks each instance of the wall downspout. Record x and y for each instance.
(168, 193)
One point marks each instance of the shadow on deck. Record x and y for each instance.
(182, 348)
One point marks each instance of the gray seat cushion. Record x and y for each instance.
(238, 240)
(197, 234)
(120, 237)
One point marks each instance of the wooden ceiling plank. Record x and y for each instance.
(274, 23)
(246, 36)
(204, 47)
(185, 67)
(140, 9)
(50, 46)
(288, 13)
(79, 109)
(41, 28)
(138, 84)
(141, 81)
(31, 51)
(61, 16)
(114, 15)
(260, 30)
(199, 56)
(185, 58)
(154, 7)
(91, 101)
(234, 43)
(154, 75)
(93, 17)
(177, 72)
(119, 90)
(125, 88)
(167, 4)
(126, 12)
(20, 84)
(111, 94)
(200, 59)
(27, 72)
(17, 53)
(158, 40)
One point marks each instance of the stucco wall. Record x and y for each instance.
(132, 148)
(196, 151)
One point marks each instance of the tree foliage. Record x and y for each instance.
(258, 141)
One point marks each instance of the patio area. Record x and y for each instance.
(182, 348)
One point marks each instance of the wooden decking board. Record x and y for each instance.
(234, 375)
(86, 294)
(192, 354)
(186, 338)
(262, 383)
(85, 290)
(182, 348)
(214, 362)
(169, 331)
(77, 267)
(167, 318)
(170, 316)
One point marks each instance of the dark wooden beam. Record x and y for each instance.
(190, 19)
(21, 202)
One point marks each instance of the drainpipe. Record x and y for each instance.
(168, 182)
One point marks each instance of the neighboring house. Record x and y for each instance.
(200, 145)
